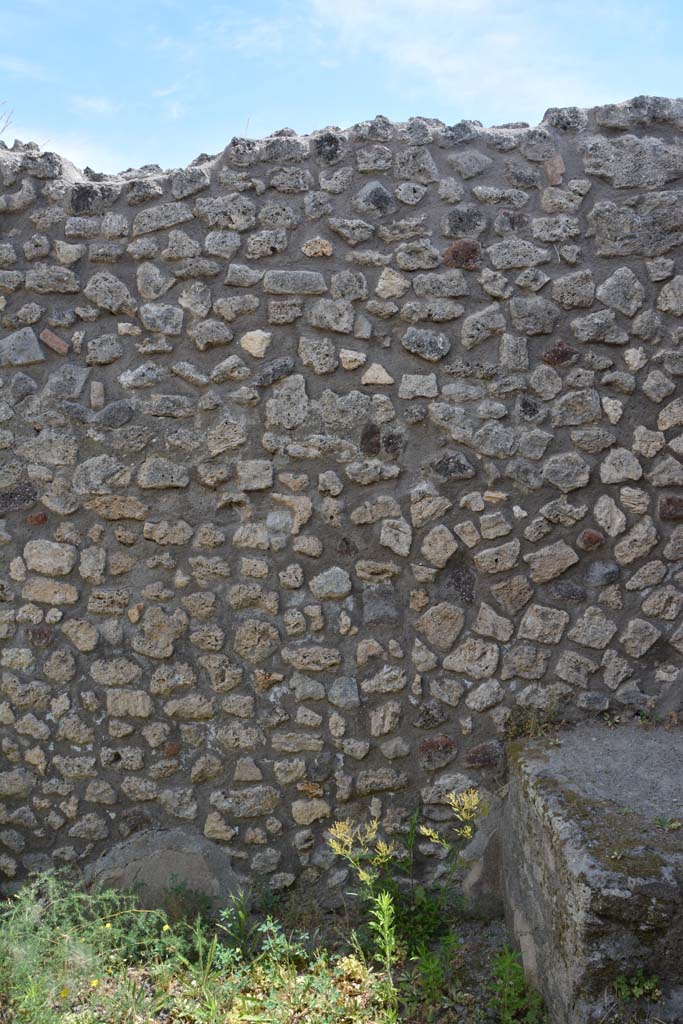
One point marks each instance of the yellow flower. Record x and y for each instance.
(341, 838)
(94, 982)
(64, 993)
(384, 851)
(166, 928)
(432, 835)
(108, 924)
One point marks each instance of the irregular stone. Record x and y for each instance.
(567, 472)
(45, 279)
(157, 473)
(155, 862)
(50, 558)
(474, 658)
(637, 543)
(397, 535)
(551, 561)
(479, 327)
(109, 293)
(619, 465)
(441, 625)
(498, 559)
(429, 345)
(333, 584)
(670, 298)
(21, 348)
(622, 291)
(593, 629)
(542, 624)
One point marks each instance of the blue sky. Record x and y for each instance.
(117, 85)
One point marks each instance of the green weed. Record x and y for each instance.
(637, 986)
(513, 1000)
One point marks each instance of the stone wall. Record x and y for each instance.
(322, 458)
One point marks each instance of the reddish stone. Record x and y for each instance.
(40, 636)
(264, 681)
(486, 755)
(589, 539)
(54, 342)
(37, 518)
(436, 752)
(559, 353)
(670, 506)
(171, 749)
(465, 254)
(554, 169)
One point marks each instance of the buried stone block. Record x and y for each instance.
(158, 862)
(593, 871)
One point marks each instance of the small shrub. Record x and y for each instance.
(421, 914)
(513, 1001)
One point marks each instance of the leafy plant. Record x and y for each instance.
(513, 1000)
(383, 927)
(420, 913)
(637, 986)
(668, 824)
(433, 973)
(240, 932)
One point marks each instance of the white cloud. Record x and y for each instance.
(253, 35)
(81, 150)
(174, 110)
(181, 50)
(467, 54)
(17, 67)
(243, 34)
(95, 105)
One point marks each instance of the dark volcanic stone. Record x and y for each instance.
(274, 371)
(379, 604)
(529, 408)
(393, 443)
(116, 414)
(460, 581)
(41, 635)
(599, 574)
(21, 497)
(453, 466)
(429, 345)
(321, 767)
(347, 548)
(328, 147)
(564, 590)
(370, 439)
(430, 715)
(464, 221)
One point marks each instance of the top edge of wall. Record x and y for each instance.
(327, 144)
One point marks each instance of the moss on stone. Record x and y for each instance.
(618, 839)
